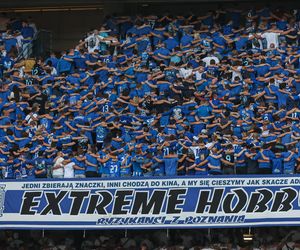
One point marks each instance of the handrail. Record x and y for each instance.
(29, 48)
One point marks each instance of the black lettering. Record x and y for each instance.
(142, 205)
(213, 203)
(77, 201)
(174, 200)
(259, 200)
(283, 200)
(121, 201)
(99, 207)
(241, 201)
(28, 202)
(53, 203)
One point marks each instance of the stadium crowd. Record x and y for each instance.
(16, 35)
(280, 238)
(158, 95)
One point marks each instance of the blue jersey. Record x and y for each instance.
(80, 164)
(111, 168)
(93, 160)
(171, 166)
(201, 153)
(104, 108)
(9, 171)
(114, 168)
(166, 150)
(30, 171)
(159, 167)
(267, 153)
(40, 164)
(277, 164)
(289, 166)
(100, 133)
(137, 162)
(203, 168)
(127, 170)
(240, 158)
(215, 162)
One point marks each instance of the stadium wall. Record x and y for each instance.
(68, 27)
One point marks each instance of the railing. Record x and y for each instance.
(40, 45)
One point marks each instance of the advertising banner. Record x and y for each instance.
(179, 202)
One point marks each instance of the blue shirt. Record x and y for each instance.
(101, 133)
(171, 43)
(114, 168)
(40, 164)
(63, 65)
(27, 32)
(171, 166)
(267, 153)
(289, 166)
(127, 170)
(277, 164)
(215, 162)
(186, 40)
(137, 162)
(204, 111)
(93, 160)
(80, 164)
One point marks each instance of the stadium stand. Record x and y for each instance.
(154, 96)
(16, 36)
(225, 239)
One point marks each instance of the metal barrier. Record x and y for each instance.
(41, 45)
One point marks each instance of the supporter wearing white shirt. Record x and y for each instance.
(19, 38)
(185, 73)
(33, 115)
(236, 72)
(69, 170)
(256, 43)
(208, 60)
(272, 36)
(199, 73)
(92, 41)
(58, 167)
